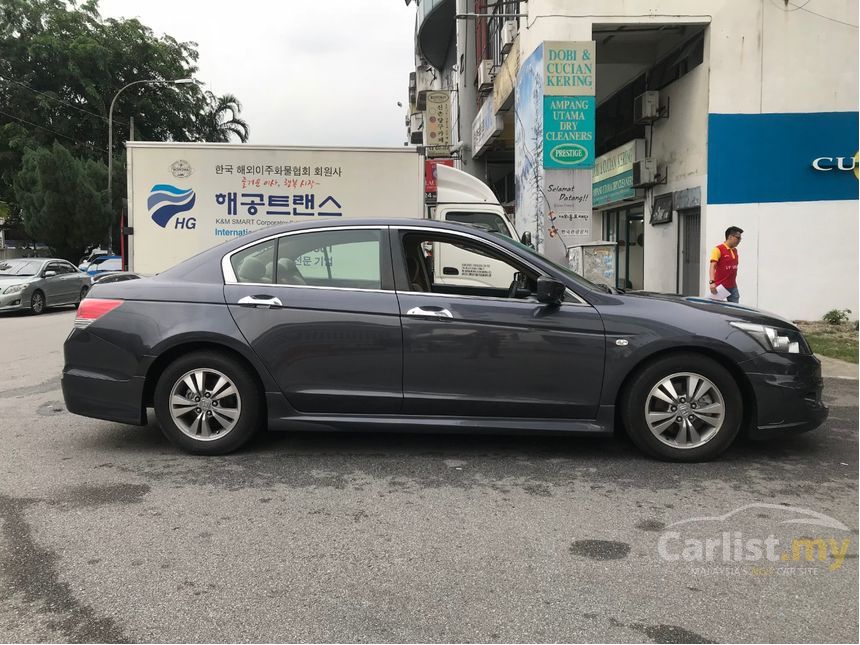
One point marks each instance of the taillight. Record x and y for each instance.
(91, 309)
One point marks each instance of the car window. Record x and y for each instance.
(111, 265)
(54, 266)
(444, 264)
(344, 259)
(490, 222)
(20, 267)
(256, 264)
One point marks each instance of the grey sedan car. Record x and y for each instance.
(35, 283)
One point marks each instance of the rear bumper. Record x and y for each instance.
(788, 389)
(91, 394)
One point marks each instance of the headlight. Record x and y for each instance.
(15, 288)
(774, 339)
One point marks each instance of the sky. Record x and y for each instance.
(307, 72)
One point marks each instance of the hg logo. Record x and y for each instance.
(165, 201)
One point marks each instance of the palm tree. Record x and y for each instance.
(221, 119)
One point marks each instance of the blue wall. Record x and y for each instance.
(768, 157)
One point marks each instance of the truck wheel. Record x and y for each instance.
(207, 403)
(685, 407)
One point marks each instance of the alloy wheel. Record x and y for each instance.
(685, 410)
(37, 303)
(205, 404)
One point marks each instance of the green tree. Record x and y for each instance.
(221, 119)
(61, 65)
(63, 199)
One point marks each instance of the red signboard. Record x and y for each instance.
(430, 185)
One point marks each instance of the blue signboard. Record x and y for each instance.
(800, 157)
(568, 126)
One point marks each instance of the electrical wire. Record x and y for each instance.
(53, 98)
(821, 15)
(785, 5)
(41, 127)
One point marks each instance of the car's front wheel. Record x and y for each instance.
(37, 303)
(207, 403)
(684, 407)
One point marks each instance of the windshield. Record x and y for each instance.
(20, 267)
(486, 221)
(588, 284)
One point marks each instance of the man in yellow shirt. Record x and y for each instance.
(724, 264)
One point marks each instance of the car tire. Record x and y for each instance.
(84, 292)
(37, 303)
(214, 417)
(666, 421)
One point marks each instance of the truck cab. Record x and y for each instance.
(465, 199)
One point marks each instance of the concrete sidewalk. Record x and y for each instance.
(834, 368)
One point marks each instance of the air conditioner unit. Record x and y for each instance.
(645, 172)
(509, 32)
(646, 107)
(485, 75)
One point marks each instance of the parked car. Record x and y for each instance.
(103, 264)
(35, 283)
(115, 276)
(326, 325)
(91, 255)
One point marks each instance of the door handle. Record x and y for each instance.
(263, 302)
(433, 312)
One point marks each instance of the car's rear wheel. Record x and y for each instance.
(84, 292)
(37, 303)
(684, 407)
(207, 403)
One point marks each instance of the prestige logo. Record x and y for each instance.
(569, 154)
(165, 201)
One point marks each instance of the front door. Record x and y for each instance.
(478, 350)
(319, 309)
(690, 238)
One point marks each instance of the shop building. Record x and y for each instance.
(627, 135)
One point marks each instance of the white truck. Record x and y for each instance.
(187, 197)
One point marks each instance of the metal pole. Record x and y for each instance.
(153, 81)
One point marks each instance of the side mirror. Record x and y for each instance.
(549, 291)
(49, 274)
(527, 239)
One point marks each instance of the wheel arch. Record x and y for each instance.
(156, 369)
(744, 385)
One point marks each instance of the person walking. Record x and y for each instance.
(723, 270)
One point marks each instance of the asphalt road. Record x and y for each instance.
(110, 534)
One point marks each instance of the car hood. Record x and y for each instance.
(729, 309)
(6, 280)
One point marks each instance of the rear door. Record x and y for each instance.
(319, 309)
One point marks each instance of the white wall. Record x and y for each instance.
(797, 259)
(680, 144)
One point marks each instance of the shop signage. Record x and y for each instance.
(431, 185)
(486, 127)
(569, 105)
(437, 124)
(569, 68)
(613, 173)
(826, 164)
(568, 196)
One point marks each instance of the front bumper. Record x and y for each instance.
(14, 301)
(788, 389)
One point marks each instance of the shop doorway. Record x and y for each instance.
(626, 227)
(689, 250)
